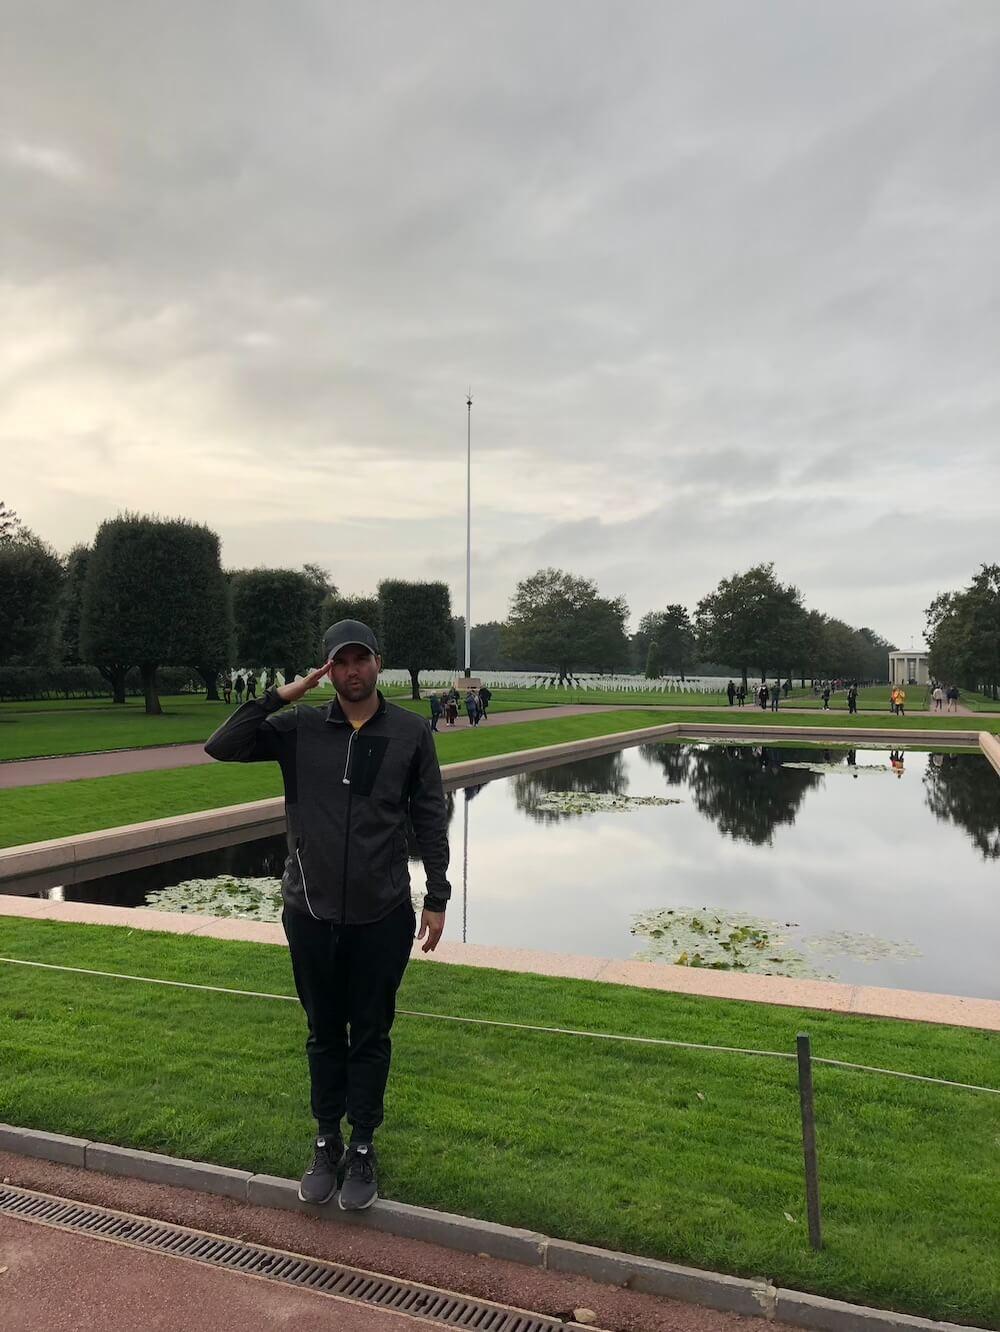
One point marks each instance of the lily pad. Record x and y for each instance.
(721, 940)
(226, 895)
(596, 802)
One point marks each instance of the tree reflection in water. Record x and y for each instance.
(958, 790)
(745, 789)
(600, 774)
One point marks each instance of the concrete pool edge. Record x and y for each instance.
(82, 856)
(785, 992)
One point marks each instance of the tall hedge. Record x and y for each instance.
(277, 619)
(154, 594)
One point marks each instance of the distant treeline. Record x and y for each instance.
(148, 608)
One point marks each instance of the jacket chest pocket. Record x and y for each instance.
(367, 761)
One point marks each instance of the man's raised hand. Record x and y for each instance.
(291, 693)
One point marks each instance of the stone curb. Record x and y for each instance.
(713, 1290)
(157, 1169)
(46, 1146)
(423, 1223)
(756, 1299)
(825, 1315)
(990, 746)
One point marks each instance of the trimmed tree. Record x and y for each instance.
(31, 583)
(276, 617)
(71, 605)
(151, 597)
(416, 627)
(654, 662)
(559, 619)
(366, 609)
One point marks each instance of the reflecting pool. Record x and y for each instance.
(868, 865)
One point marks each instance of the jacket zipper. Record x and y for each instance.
(305, 890)
(346, 779)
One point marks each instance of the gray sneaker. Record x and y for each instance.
(360, 1187)
(319, 1183)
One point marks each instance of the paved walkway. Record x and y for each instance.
(156, 758)
(60, 1282)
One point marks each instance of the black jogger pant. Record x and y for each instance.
(346, 977)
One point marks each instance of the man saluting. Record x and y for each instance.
(353, 772)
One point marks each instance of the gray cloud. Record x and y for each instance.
(722, 278)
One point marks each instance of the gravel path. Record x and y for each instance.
(117, 1289)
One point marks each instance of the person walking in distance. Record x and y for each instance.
(938, 697)
(227, 687)
(355, 771)
(826, 698)
(435, 702)
(730, 692)
(485, 694)
(238, 685)
(900, 702)
(775, 695)
(251, 685)
(472, 707)
(852, 697)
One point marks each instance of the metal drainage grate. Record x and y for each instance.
(348, 1283)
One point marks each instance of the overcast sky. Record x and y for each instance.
(723, 278)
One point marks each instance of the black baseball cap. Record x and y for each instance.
(345, 633)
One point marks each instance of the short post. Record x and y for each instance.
(809, 1139)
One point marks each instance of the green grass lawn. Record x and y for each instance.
(59, 809)
(688, 1156)
(979, 702)
(72, 728)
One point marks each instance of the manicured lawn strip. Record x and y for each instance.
(37, 732)
(627, 696)
(29, 732)
(36, 813)
(979, 702)
(597, 1142)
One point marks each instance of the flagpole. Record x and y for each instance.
(468, 539)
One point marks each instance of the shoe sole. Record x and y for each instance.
(318, 1202)
(361, 1208)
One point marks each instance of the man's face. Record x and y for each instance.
(354, 672)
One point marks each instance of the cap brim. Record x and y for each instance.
(350, 642)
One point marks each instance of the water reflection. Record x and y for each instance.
(956, 792)
(746, 790)
(839, 846)
(599, 774)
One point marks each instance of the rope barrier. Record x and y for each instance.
(517, 1026)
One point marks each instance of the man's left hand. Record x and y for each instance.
(431, 924)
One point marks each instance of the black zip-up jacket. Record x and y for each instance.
(348, 794)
